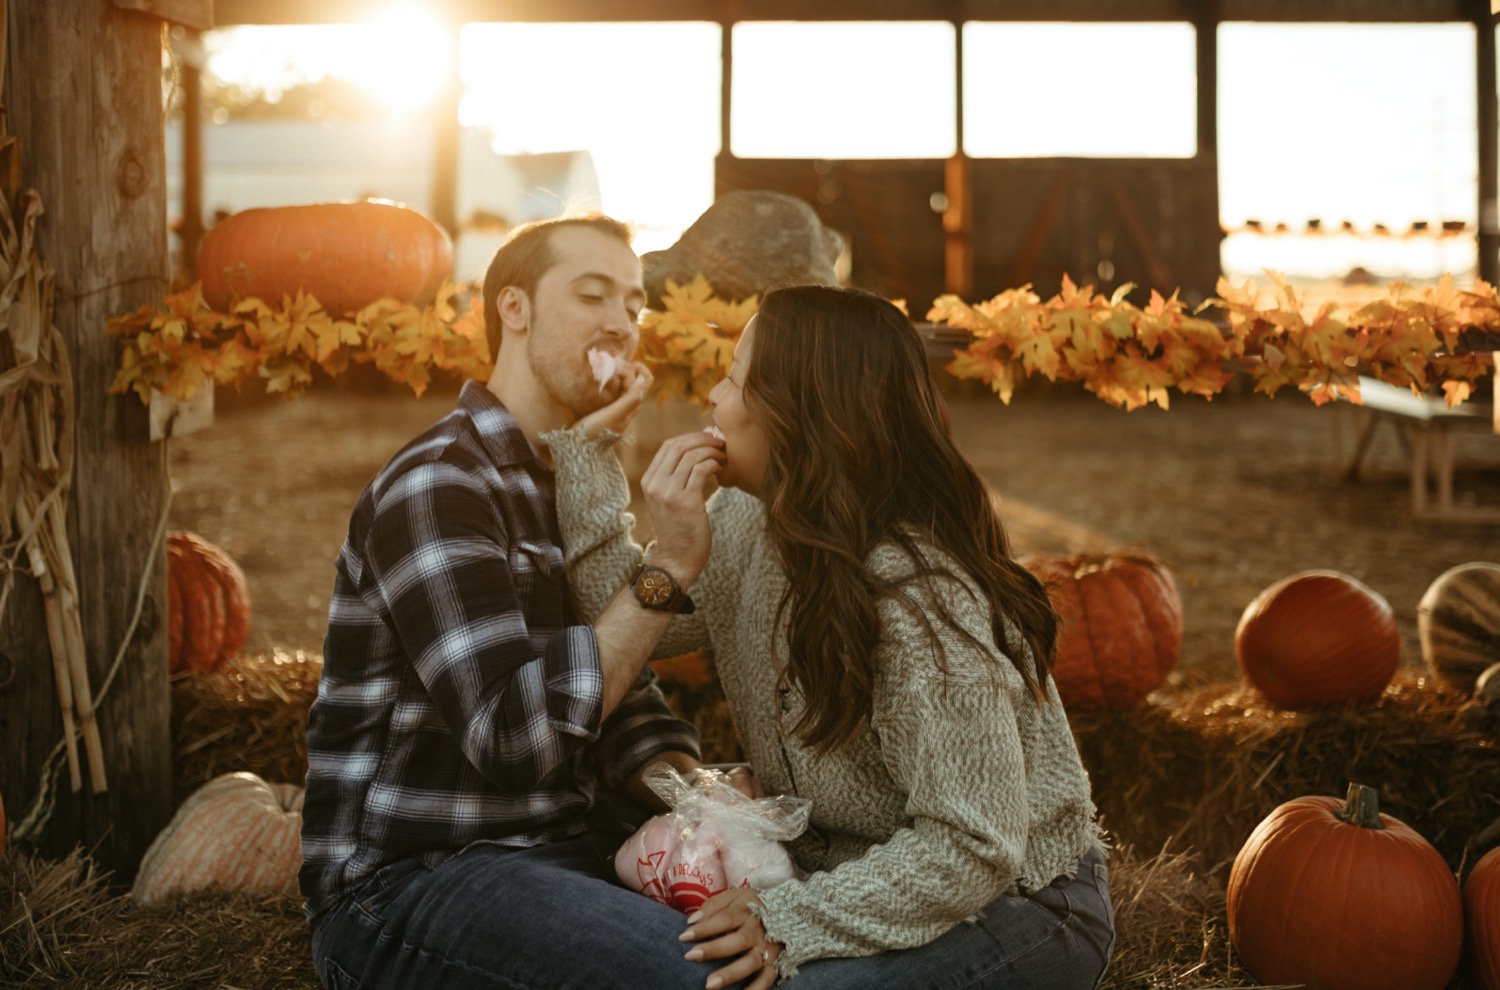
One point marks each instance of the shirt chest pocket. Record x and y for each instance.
(536, 571)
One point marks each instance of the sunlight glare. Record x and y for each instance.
(401, 57)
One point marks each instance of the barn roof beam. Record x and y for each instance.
(232, 12)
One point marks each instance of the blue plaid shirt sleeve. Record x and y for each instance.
(517, 701)
(638, 729)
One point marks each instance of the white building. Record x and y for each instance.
(249, 163)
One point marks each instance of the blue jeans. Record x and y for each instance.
(555, 917)
(1059, 938)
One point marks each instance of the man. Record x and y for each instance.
(466, 731)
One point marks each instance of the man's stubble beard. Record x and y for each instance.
(563, 377)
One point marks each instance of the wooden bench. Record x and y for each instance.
(1425, 425)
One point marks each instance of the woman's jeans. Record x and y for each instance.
(554, 916)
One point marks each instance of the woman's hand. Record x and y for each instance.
(743, 779)
(674, 487)
(635, 379)
(725, 926)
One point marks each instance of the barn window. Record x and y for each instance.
(843, 90)
(1072, 89)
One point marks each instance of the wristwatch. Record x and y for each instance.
(655, 588)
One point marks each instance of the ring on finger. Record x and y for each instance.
(765, 955)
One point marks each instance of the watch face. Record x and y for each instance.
(654, 586)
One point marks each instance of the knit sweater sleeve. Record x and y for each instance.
(952, 744)
(598, 547)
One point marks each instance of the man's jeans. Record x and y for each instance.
(554, 916)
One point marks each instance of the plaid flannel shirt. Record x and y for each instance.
(458, 702)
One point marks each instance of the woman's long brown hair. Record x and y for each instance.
(861, 454)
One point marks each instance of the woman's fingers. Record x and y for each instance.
(766, 979)
(634, 380)
(744, 780)
(743, 967)
(736, 942)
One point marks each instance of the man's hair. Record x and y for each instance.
(525, 257)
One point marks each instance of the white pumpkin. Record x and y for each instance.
(236, 833)
(1458, 623)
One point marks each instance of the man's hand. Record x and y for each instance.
(641, 793)
(635, 379)
(725, 926)
(675, 490)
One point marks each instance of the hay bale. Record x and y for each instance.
(1171, 930)
(1200, 769)
(250, 714)
(62, 925)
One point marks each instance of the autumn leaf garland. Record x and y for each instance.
(689, 343)
(1131, 356)
(1128, 355)
(178, 347)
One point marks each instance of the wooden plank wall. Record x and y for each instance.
(1101, 221)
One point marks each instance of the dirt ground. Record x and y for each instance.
(1233, 495)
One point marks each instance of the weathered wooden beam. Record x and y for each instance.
(1488, 106)
(195, 14)
(229, 12)
(83, 97)
(446, 136)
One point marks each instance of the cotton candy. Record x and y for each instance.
(714, 838)
(605, 365)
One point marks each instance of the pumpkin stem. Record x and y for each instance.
(1361, 807)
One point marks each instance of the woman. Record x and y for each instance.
(881, 654)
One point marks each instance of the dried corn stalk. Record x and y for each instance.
(36, 450)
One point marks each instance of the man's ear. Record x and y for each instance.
(514, 307)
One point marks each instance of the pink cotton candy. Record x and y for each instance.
(678, 867)
(605, 365)
(714, 431)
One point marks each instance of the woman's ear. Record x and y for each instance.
(514, 308)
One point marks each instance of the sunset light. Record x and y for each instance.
(642, 101)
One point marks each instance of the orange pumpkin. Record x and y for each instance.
(692, 670)
(1335, 895)
(237, 832)
(1482, 921)
(1121, 630)
(208, 604)
(346, 254)
(1318, 639)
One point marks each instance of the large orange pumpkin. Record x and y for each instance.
(1335, 895)
(346, 254)
(1482, 921)
(1318, 639)
(237, 832)
(1121, 630)
(208, 604)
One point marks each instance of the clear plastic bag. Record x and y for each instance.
(714, 838)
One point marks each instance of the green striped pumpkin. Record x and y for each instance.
(235, 833)
(1458, 624)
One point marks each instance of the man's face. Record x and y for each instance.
(590, 297)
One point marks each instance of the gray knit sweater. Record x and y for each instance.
(961, 787)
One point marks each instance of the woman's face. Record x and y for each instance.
(745, 446)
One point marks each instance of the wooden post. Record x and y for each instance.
(958, 214)
(192, 158)
(83, 96)
(1206, 31)
(447, 136)
(1489, 181)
